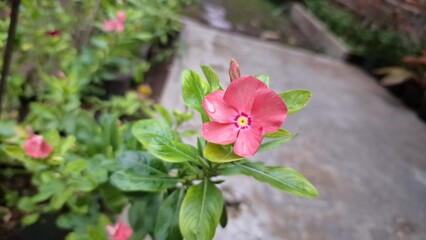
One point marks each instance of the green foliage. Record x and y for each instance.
(364, 39)
(283, 178)
(201, 211)
(133, 180)
(295, 100)
(220, 153)
(167, 223)
(162, 142)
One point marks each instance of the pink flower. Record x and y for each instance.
(119, 231)
(121, 16)
(243, 114)
(117, 24)
(36, 147)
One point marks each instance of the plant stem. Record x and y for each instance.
(8, 49)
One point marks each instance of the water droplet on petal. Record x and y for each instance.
(210, 106)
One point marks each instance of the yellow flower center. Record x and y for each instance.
(242, 121)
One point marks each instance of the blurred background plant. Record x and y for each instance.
(75, 82)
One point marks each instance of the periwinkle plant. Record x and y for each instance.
(176, 179)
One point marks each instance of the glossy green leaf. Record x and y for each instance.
(60, 198)
(212, 78)
(170, 150)
(295, 99)
(162, 142)
(283, 178)
(220, 153)
(275, 143)
(263, 78)
(200, 212)
(278, 134)
(167, 225)
(194, 89)
(128, 180)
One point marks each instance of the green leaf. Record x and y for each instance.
(26, 204)
(275, 143)
(164, 113)
(263, 78)
(141, 160)
(75, 167)
(114, 199)
(162, 142)
(30, 219)
(224, 217)
(194, 89)
(170, 150)
(167, 225)
(200, 211)
(212, 78)
(60, 198)
(283, 178)
(66, 144)
(19, 154)
(128, 180)
(295, 99)
(278, 134)
(143, 213)
(220, 153)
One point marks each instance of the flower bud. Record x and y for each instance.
(234, 70)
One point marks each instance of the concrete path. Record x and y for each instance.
(362, 149)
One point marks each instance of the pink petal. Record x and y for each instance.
(121, 16)
(36, 147)
(111, 229)
(119, 27)
(109, 25)
(269, 111)
(123, 232)
(240, 93)
(217, 109)
(220, 133)
(248, 141)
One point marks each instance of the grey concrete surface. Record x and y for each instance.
(363, 150)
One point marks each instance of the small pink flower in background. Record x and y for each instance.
(234, 70)
(36, 147)
(117, 24)
(121, 16)
(53, 33)
(243, 114)
(119, 231)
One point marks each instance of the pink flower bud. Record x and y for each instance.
(234, 70)
(36, 147)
